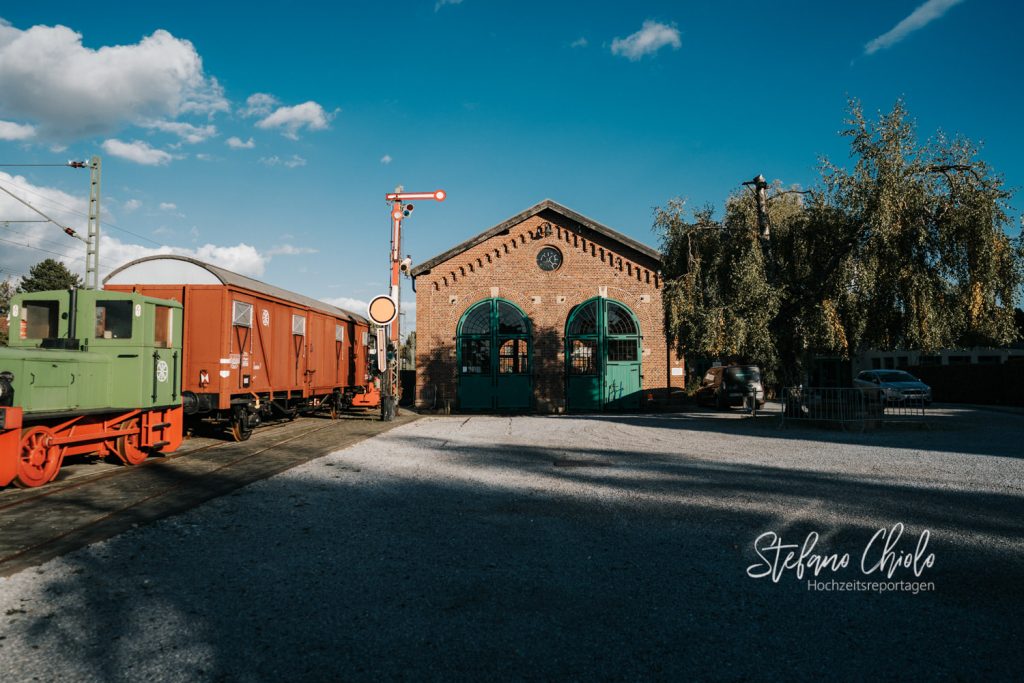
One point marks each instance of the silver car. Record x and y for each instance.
(898, 386)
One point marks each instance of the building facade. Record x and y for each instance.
(548, 311)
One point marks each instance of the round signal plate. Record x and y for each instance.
(382, 309)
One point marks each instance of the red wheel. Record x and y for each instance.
(39, 460)
(127, 446)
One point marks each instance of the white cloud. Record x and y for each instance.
(258, 104)
(386, 159)
(348, 303)
(579, 42)
(186, 131)
(291, 120)
(168, 206)
(131, 205)
(290, 250)
(294, 162)
(16, 131)
(137, 151)
(651, 37)
(68, 91)
(29, 243)
(919, 18)
(235, 142)
(442, 3)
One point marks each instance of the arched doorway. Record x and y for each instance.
(494, 343)
(602, 357)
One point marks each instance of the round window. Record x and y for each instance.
(549, 258)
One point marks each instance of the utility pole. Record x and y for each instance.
(92, 250)
(760, 188)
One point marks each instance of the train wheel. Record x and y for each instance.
(240, 429)
(39, 460)
(127, 446)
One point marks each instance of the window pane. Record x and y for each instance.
(162, 327)
(622, 349)
(510, 320)
(39, 319)
(113, 319)
(339, 333)
(620, 321)
(583, 357)
(584, 320)
(241, 314)
(513, 357)
(299, 325)
(478, 320)
(476, 356)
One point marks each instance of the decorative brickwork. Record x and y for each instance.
(594, 263)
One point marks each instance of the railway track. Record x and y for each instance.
(85, 508)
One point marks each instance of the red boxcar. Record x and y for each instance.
(253, 351)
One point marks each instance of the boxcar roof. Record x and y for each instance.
(168, 269)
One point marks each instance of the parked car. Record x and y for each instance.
(728, 385)
(898, 386)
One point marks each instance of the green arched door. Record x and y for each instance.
(602, 357)
(494, 346)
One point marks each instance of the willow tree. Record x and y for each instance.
(905, 249)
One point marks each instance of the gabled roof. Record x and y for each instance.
(547, 204)
(170, 269)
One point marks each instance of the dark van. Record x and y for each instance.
(728, 385)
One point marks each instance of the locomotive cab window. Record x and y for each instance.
(113, 319)
(39, 319)
(163, 335)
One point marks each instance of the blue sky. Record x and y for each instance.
(265, 135)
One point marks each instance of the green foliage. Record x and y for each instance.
(6, 292)
(908, 249)
(49, 274)
(407, 352)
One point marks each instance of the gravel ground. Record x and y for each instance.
(611, 547)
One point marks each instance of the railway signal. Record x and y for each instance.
(401, 208)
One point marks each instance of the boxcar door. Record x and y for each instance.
(262, 371)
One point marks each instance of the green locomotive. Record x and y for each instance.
(88, 372)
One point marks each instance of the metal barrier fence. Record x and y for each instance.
(846, 406)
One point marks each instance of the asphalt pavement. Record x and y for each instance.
(573, 548)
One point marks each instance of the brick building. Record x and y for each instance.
(546, 311)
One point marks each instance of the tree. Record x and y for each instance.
(49, 274)
(908, 249)
(407, 354)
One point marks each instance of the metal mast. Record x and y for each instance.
(92, 253)
(399, 211)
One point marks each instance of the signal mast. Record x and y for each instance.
(384, 310)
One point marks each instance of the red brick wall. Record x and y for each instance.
(505, 266)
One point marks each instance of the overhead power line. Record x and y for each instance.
(66, 229)
(72, 210)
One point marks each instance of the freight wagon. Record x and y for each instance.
(253, 351)
(88, 372)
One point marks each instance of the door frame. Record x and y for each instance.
(494, 338)
(602, 336)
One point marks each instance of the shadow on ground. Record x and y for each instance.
(578, 564)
